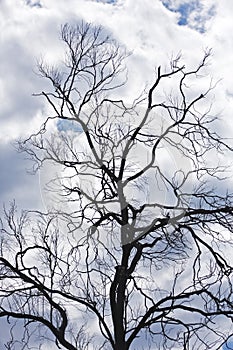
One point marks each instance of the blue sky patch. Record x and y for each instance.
(191, 13)
(107, 1)
(67, 125)
(185, 10)
(228, 346)
(34, 3)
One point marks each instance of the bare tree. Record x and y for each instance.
(134, 251)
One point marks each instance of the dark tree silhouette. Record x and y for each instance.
(134, 249)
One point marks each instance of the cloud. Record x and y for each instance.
(15, 182)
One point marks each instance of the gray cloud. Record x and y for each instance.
(15, 182)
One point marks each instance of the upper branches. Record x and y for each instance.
(93, 60)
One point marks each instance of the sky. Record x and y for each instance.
(154, 30)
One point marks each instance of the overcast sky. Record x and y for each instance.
(152, 29)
